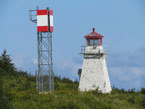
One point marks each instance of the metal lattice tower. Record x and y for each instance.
(44, 75)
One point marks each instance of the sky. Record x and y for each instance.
(121, 22)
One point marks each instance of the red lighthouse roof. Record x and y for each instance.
(94, 35)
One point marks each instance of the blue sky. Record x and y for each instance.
(122, 22)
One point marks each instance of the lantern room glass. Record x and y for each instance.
(92, 42)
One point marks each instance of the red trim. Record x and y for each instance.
(42, 29)
(101, 42)
(51, 12)
(51, 28)
(87, 42)
(93, 29)
(93, 37)
(42, 12)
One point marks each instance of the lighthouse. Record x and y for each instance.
(94, 73)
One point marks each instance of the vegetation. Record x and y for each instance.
(17, 91)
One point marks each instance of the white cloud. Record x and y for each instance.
(19, 60)
(64, 68)
(128, 77)
(127, 69)
(24, 63)
(138, 71)
(35, 61)
(68, 69)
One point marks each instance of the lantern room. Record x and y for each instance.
(94, 39)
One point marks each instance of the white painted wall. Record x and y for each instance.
(42, 20)
(94, 71)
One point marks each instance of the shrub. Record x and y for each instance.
(142, 103)
(143, 90)
(131, 100)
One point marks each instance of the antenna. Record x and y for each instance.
(33, 15)
(45, 74)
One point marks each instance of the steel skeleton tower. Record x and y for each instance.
(94, 70)
(45, 75)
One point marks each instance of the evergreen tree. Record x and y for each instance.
(6, 65)
(4, 98)
(6, 68)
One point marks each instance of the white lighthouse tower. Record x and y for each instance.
(94, 72)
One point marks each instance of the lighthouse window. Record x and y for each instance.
(93, 42)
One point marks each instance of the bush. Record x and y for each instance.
(131, 91)
(143, 90)
(131, 100)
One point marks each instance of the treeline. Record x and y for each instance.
(129, 91)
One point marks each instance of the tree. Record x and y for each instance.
(6, 68)
(6, 64)
(4, 98)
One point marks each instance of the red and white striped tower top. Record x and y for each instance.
(43, 21)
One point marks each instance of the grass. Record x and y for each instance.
(66, 96)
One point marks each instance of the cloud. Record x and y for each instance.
(25, 63)
(18, 60)
(131, 59)
(67, 69)
(127, 69)
(35, 61)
